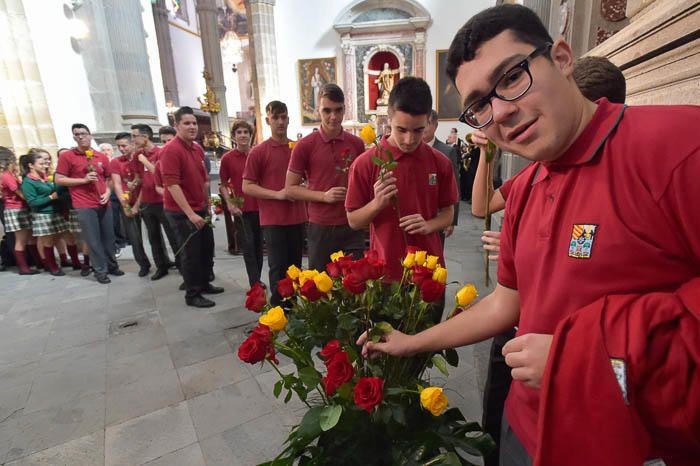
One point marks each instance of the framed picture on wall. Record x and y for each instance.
(447, 101)
(313, 74)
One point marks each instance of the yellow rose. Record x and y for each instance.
(126, 195)
(50, 178)
(410, 260)
(433, 400)
(368, 135)
(420, 257)
(466, 295)
(307, 275)
(274, 318)
(291, 144)
(440, 275)
(293, 272)
(431, 262)
(323, 282)
(337, 255)
(89, 153)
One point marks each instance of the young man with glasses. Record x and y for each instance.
(86, 173)
(606, 206)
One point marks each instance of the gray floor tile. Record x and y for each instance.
(206, 376)
(147, 394)
(13, 400)
(191, 455)
(197, 349)
(136, 366)
(84, 451)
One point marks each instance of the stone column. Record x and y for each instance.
(211, 48)
(165, 48)
(25, 120)
(127, 37)
(542, 8)
(349, 81)
(419, 62)
(262, 30)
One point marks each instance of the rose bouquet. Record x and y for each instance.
(382, 411)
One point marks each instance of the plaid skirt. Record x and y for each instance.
(17, 219)
(48, 224)
(72, 222)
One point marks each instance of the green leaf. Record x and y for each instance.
(345, 392)
(278, 388)
(330, 417)
(309, 377)
(440, 363)
(310, 426)
(452, 357)
(377, 161)
(288, 397)
(347, 321)
(398, 412)
(384, 327)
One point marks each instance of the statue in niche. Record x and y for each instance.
(385, 83)
(316, 85)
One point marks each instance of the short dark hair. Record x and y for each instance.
(167, 130)
(276, 107)
(332, 92)
(143, 129)
(241, 124)
(524, 23)
(122, 135)
(183, 111)
(433, 117)
(411, 95)
(598, 77)
(75, 126)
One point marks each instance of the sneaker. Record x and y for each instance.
(102, 278)
(85, 271)
(199, 301)
(117, 272)
(117, 253)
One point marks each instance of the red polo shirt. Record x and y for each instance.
(616, 214)
(148, 183)
(10, 185)
(116, 164)
(325, 162)
(183, 164)
(74, 163)
(426, 184)
(267, 166)
(231, 174)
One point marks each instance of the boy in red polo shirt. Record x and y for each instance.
(243, 207)
(86, 173)
(142, 165)
(581, 235)
(323, 159)
(186, 201)
(282, 220)
(423, 183)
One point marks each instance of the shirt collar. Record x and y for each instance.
(432, 142)
(326, 138)
(34, 177)
(396, 153)
(274, 143)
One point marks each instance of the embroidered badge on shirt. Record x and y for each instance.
(432, 179)
(582, 238)
(618, 366)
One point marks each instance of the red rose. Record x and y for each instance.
(361, 269)
(258, 346)
(354, 285)
(330, 350)
(334, 270)
(420, 274)
(431, 290)
(371, 255)
(310, 292)
(285, 287)
(340, 371)
(345, 264)
(411, 249)
(255, 298)
(368, 392)
(376, 270)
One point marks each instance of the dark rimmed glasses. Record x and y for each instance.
(511, 86)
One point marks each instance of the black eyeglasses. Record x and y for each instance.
(511, 86)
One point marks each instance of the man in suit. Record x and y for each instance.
(449, 151)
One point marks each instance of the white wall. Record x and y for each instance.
(188, 57)
(61, 69)
(305, 30)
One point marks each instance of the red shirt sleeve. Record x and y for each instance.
(114, 167)
(253, 164)
(506, 187)
(446, 181)
(63, 164)
(224, 174)
(360, 185)
(506, 265)
(10, 182)
(170, 166)
(299, 160)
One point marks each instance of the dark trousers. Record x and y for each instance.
(513, 452)
(196, 260)
(119, 233)
(7, 244)
(498, 382)
(284, 248)
(324, 240)
(233, 230)
(132, 227)
(252, 244)
(98, 232)
(154, 218)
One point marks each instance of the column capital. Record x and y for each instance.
(263, 2)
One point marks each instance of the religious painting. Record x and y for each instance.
(313, 74)
(179, 9)
(232, 19)
(382, 74)
(447, 100)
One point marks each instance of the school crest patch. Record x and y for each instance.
(582, 239)
(432, 179)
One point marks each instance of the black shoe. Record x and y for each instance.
(199, 301)
(181, 287)
(211, 289)
(29, 272)
(58, 273)
(211, 277)
(85, 271)
(117, 272)
(77, 266)
(143, 272)
(160, 273)
(172, 265)
(102, 278)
